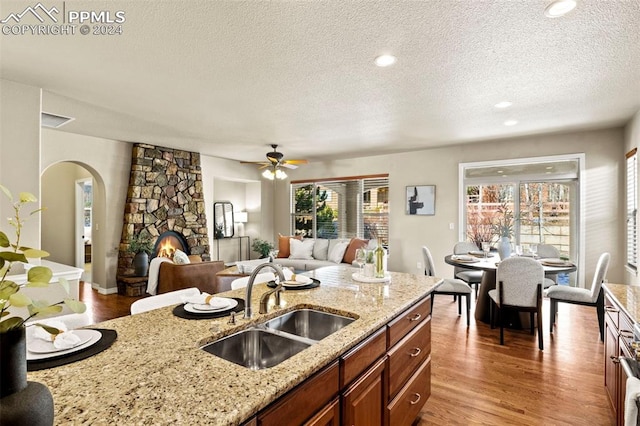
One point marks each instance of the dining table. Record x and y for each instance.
(489, 266)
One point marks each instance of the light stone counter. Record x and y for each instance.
(627, 296)
(155, 372)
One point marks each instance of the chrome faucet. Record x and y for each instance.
(264, 300)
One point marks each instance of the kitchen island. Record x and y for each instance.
(156, 373)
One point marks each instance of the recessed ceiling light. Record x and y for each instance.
(503, 104)
(559, 8)
(549, 167)
(500, 172)
(511, 122)
(385, 60)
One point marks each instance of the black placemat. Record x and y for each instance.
(181, 313)
(314, 284)
(107, 339)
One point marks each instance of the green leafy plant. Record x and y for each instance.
(262, 246)
(37, 276)
(141, 242)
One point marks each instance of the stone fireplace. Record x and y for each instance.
(164, 198)
(168, 242)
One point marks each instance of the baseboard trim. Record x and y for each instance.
(104, 291)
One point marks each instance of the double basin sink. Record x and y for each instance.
(278, 339)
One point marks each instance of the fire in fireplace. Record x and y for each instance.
(168, 242)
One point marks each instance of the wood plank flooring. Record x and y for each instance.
(477, 381)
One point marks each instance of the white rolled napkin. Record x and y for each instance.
(298, 279)
(64, 340)
(206, 299)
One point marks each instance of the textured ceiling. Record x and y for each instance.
(228, 78)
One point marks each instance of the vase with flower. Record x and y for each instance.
(503, 227)
(23, 402)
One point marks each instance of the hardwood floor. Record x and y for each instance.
(477, 381)
(104, 307)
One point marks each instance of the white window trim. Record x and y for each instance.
(581, 190)
(632, 268)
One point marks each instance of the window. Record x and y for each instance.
(341, 208)
(542, 194)
(632, 209)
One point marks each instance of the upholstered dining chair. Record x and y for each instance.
(548, 251)
(452, 287)
(473, 278)
(582, 296)
(519, 287)
(162, 300)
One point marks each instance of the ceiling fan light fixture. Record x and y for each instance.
(280, 174)
(559, 8)
(268, 174)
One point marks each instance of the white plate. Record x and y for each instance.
(197, 308)
(300, 281)
(356, 276)
(36, 347)
(554, 261)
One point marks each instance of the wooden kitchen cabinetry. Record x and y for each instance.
(618, 336)
(383, 380)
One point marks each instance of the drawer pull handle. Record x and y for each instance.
(417, 399)
(416, 317)
(415, 352)
(614, 359)
(610, 309)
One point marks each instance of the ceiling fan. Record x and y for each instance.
(274, 164)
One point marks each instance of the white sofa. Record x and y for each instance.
(320, 255)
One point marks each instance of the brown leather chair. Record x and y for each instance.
(202, 275)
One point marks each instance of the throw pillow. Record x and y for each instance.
(301, 249)
(321, 249)
(337, 251)
(180, 258)
(284, 246)
(350, 253)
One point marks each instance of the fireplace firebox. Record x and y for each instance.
(168, 242)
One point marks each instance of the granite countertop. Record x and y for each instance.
(628, 297)
(155, 372)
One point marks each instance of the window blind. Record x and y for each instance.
(632, 209)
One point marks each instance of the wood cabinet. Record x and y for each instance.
(364, 401)
(383, 380)
(618, 336)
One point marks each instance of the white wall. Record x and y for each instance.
(59, 218)
(228, 180)
(632, 140)
(604, 159)
(20, 153)
(109, 162)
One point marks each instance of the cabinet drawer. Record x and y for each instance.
(329, 416)
(404, 408)
(407, 355)
(305, 400)
(611, 310)
(399, 327)
(358, 359)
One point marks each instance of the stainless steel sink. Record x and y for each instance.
(255, 348)
(309, 323)
(278, 339)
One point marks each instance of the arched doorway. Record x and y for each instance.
(68, 225)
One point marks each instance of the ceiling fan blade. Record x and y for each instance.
(288, 166)
(254, 162)
(297, 161)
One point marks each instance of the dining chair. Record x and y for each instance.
(548, 251)
(518, 287)
(473, 278)
(582, 296)
(451, 287)
(162, 300)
